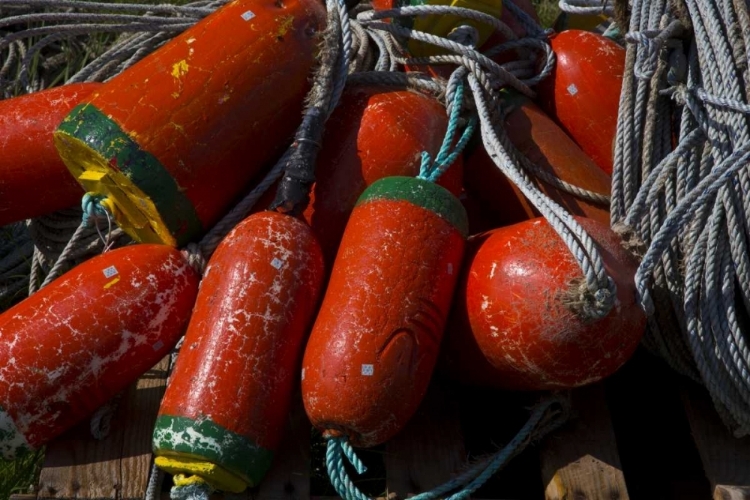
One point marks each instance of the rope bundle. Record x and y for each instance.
(681, 189)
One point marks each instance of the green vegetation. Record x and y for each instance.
(547, 10)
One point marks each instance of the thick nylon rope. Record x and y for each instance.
(681, 189)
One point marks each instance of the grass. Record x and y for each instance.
(20, 475)
(547, 10)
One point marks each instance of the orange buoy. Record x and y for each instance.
(226, 405)
(583, 92)
(515, 311)
(33, 179)
(374, 132)
(375, 341)
(172, 141)
(547, 146)
(86, 336)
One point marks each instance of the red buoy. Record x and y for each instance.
(374, 132)
(171, 142)
(86, 336)
(516, 291)
(33, 178)
(583, 92)
(226, 405)
(375, 341)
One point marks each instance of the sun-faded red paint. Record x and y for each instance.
(513, 296)
(33, 179)
(240, 358)
(583, 91)
(86, 336)
(543, 142)
(374, 132)
(221, 100)
(376, 339)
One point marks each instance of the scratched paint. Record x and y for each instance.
(511, 311)
(373, 133)
(375, 341)
(545, 144)
(166, 105)
(241, 354)
(76, 343)
(33, 179)
(583, 92)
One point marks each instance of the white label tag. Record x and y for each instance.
(110, 271)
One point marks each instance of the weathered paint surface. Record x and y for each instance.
(230, 391)
(583, 91)
(513, 290)
(80, 340)
(33, 179)
(375, 341)
(374, 132)
(546, 145)
(210, 108)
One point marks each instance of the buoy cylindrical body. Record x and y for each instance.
(583, 92)
(545, 144)
(226, 405)
(375, 342)
(83, 338)
(33, 179)
(372, 134)
(175, 139)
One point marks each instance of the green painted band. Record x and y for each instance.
(207, 440)
(422, 193)
(89, 125)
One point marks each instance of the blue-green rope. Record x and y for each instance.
(431, 171)
(545, 417)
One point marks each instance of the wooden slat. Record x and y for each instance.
(726, 459)
(289, 477)
(581, 460)
(429, 449)
(78, 466)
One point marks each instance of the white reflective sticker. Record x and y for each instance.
(572, 89)
(110, 271)
(276, 263)
(248, 15)
(368, 370)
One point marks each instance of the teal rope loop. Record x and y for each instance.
(431, 171)
(92, 208)
(546, 416)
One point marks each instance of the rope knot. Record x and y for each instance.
(93, 209)
(653, 42)
(588, 304)
(465, 35)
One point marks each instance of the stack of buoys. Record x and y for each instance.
(350, 297)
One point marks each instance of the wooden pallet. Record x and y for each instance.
(643, 434)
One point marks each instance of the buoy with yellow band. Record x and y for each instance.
(224, 411)
(170, 143)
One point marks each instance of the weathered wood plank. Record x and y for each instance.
(726, 459)
(429, 449)
(117, 467)
(581, 460)
(289, 477)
